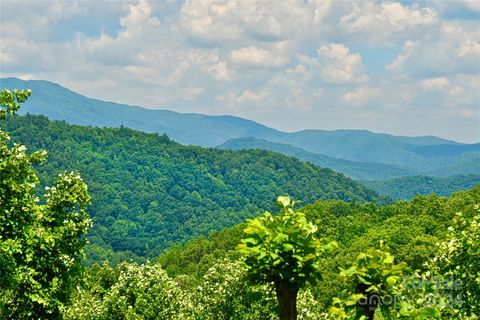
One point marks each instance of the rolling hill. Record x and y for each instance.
(353, 169)
(150, 192)
(59, 103)
(463, 160)
(370, 155)
(409, 187)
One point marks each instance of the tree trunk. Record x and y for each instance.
(287, 299)
(367, 305)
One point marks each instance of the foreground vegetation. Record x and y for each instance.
(331, 259)
(428, 263)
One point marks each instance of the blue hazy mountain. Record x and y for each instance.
(363, 145)
(59, 103)
(407, 155)
(463, 161)
(408, 187)
(354, 169)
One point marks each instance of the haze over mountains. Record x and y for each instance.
(359, 154)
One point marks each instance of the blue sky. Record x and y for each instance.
(409, 68)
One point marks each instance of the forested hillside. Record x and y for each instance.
(408, 187)
(205, 279)
(411, 228)
(149, 192)
(330, 259)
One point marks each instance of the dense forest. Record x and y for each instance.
(408, 187)
(343, 252)
(149, 192)
(206, 279)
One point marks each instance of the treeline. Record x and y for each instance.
(149, 193)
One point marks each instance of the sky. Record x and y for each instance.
(408, 68)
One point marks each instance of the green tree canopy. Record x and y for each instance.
(285, 250)
(40, 239)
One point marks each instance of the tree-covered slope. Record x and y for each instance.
(411, 229)
(353, 169)
(149, 192)
(408, 187)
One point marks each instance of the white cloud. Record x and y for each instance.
(400, 60)
(237, 20)
(128, 46)
(454, 48)
(379, 23)
(298, 99)
(339, 65)
(208, 20)
(473, 5)
(138, 16)
(469, 48)
(192, 93)
(250, 96)
(246, 97)
(220, 71)
(361, 96)
(435, 83)
(253, 56)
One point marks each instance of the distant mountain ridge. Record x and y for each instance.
(370, 155)
(353, 169)
(59, 103)
(408, 187)
(437, 166)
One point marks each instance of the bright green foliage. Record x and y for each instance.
(374, 275)
(10, 102)
(284, 250)
(284, 247)
(410, 228)
(224, 293)
(40, 244)
(373, 272)
(458, 264)
(139, 292)
(132, 291)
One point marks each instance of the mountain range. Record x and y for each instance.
(149, 192)
(360, 154)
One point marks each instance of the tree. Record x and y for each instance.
(40, 240)
(283, 250)
(457, 264)
(373, 277)
(377, 283)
